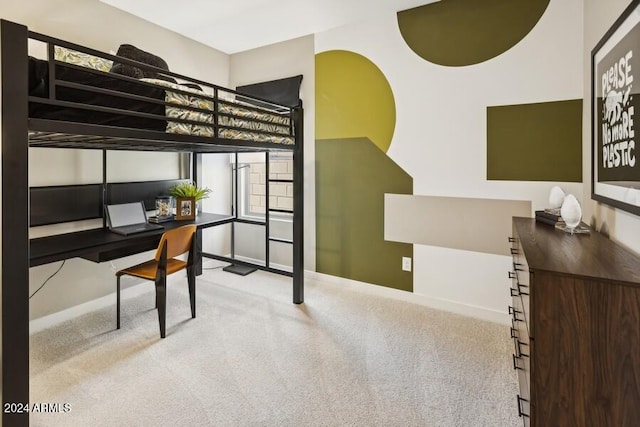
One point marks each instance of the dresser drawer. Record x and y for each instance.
(524, 410)
(520, 336)
(522, 364)
(521, 281)
(520, 329)
(523, 399)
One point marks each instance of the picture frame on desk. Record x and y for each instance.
(185, 208)
(615, 98)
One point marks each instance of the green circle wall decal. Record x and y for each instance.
(353, 99)
(466, 32)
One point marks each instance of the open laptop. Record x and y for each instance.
(129, 218)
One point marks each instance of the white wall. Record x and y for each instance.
(622, 226)
(102, 27)
(216, 174)
(96, 25)
(277, 61)
(440, 134)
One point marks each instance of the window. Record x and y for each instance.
(253, 183)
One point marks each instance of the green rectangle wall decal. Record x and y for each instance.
(535, 142)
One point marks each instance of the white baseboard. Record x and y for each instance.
(456, 307)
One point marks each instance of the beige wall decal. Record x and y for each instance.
(481, 225)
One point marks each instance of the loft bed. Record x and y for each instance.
(77, 97)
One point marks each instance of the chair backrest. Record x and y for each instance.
(178, 241)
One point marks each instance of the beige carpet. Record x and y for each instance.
(252, 358)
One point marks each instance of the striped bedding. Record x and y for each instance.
(236, 120)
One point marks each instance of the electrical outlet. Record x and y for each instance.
(406, 263)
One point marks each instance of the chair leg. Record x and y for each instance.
(161, 300)
(118, 303)
(191, 279)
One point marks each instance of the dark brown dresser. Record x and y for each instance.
(575, 317)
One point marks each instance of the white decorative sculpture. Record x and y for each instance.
(571, 212)
(556, 197)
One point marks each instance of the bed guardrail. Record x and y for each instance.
(74, 84)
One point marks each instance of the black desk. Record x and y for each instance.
(100, 244)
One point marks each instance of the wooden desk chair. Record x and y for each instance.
(173, 243)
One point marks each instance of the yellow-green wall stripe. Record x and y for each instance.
(353, 99)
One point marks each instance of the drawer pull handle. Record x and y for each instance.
(512, 239)
(514, 251)
(514, 292)
(511, 274)
(516, 265)
(521, 413)
(514, 313)
(520, 352)
(514, 332)
(515, 363)
(520, 291)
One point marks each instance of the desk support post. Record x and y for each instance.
(196, 177)
(267, 212)
(197, 260)
(234, 202)
(298, 210)
(105, 201)
(15, 223)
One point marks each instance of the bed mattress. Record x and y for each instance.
(236, 119)
(39, 87)
(197, 109)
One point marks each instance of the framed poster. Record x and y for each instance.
(615, 83)
(185, 208)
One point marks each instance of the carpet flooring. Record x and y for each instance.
(252, 358)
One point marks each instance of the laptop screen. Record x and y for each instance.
(126, 214)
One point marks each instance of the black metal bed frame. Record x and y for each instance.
(19, 132)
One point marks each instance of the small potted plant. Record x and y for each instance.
(186, 190)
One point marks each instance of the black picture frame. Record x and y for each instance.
(615, 98)
(185, 208)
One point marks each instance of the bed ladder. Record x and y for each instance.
(269, 210)
(244, 269)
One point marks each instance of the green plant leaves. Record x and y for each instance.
(189, 189)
